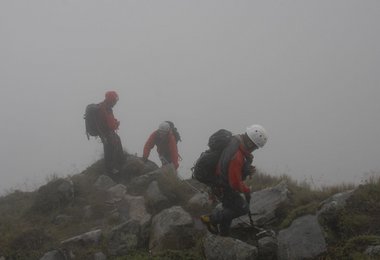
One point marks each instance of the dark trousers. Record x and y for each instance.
(165, 159)
(234, 206)
(113, 152)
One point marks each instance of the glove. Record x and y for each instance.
(247, 197)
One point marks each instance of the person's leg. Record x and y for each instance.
(233, 206)
(108, 151)
(118, 153)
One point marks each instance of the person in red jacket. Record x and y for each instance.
(166, 144)
(108, 125)
(233, 167)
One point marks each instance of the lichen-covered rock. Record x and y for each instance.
(226, 248)
(171, 229)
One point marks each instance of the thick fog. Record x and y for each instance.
(308, 71)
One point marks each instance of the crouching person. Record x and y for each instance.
(232, 168)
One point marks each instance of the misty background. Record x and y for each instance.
(308, 71)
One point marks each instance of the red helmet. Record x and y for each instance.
(111, 97)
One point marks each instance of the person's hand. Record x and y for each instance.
(247, 196)
(145, 159)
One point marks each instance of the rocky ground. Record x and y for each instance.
(146, 212)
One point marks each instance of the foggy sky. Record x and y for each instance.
(308, 71)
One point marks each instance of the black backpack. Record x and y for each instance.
(205, 167)
(91, 118)
(174, 131)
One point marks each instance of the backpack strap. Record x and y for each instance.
(227, 155)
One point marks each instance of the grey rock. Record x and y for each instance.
(263, 205)
(117, 191)
(88, 212)
(268, 248)
(171, 229)
(139, 184)
(104, 182)
(133, 208)
(51, 255)
(89, 238)
(335, 202)
(155, 199)
(100, 256)
(62, 219)
(302, 240)
(200, 202)
(373, 251)
(124, 238)
(226, 248)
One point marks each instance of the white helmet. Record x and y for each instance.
(164, 127)
(257, 134)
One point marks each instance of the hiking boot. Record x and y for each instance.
(212, 228)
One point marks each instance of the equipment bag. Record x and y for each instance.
(174, 131)
(204, 169)
(91, 118)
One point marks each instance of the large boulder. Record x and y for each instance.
(155, 200)
(138, 185)
(302, 240)
(124, 238)
(133, 208)
(335, 202)
(226, 248)
(264, 204)
(171, 229)
(135, 166)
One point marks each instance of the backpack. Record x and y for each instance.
(205, 167)
(174, 131)
(91, 118)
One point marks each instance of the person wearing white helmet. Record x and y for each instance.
(233, 167)
(165, 141)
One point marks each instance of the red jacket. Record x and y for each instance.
(109, 122)
(235, 170)
(166, 147)
(231, 165)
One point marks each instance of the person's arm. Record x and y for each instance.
(235, 168)
(150, 143)
(112, 122)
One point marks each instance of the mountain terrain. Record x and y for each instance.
(148, 212)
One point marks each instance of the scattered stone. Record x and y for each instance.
(89, 238)
(227, 248)
(104, 182)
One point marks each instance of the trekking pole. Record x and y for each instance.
(250, 217)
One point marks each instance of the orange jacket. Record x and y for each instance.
(166, 147)
(235, 171)
(232, 164)
(108, 121)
